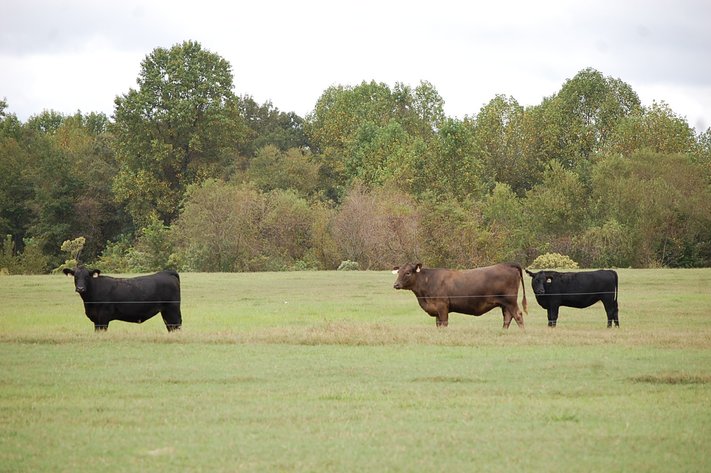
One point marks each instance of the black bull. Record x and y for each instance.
(472, 291)
(130, 300)
(580, 289)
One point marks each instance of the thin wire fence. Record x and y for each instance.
(472, 296)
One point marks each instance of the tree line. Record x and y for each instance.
(188, 174)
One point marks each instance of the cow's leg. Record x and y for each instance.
(612, 310)
(552, 316)
(518, 315)
(442, 318)
(172, 318)
(507, 316)
(101, 326)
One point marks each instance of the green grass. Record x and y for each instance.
(329, 371)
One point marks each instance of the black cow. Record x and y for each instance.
(581, 289)
(472, 291)
(131, 300)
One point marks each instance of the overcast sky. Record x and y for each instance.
(79, 55)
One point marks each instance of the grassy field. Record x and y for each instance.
(331, 371)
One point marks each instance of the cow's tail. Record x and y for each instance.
(616, 290)
(524, 303)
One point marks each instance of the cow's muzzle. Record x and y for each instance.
(397, 286)
(81, 290)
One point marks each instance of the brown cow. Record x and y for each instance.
(471, 291)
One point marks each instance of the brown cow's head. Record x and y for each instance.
(82, 277)
(406, 275)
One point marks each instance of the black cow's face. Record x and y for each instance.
(541, 282)
(406, 275)
(82, 277)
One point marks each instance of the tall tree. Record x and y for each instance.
(656, 128)
(179, 127)
(270, 126)
(499, 133)
(576, 122)
(372, 132)
(15, 187)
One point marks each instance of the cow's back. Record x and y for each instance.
(584, 288)
(475, 291)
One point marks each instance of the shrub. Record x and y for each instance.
(554, 261)
(348, 265)
(377, 228)
(115, 257)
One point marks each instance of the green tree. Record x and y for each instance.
(179, 127)
(224, 227)
(267, 125)
(556, 209)
(506, 220)
(450, 164)
(15, 186)
(656, 128)
(371, 132)
(293, 169)
(153, 248)
(85, 143)
(577, 122)
(499, 133)
(661, 202)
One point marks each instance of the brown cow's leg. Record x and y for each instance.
(518, 316)
(507, 317)
(442, 319)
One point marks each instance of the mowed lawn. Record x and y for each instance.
(337, 371)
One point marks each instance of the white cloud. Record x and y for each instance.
(81, 54)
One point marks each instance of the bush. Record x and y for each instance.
(31, 261)
(115, 257)
(554, 261)
(377, 228)
(348, 265)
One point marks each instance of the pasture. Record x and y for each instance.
(337, 371)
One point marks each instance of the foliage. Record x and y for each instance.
(32, 260)
(73, 249)
(187, 174)
(179, 127)
(607, 246)
(348, 265)
(268, 126)
(115, 258)
(226, 227)
(293, 169)
(553, 261)
(499, 132)
(378, 228)
(153, 248)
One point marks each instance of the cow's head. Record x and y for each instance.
(406, 275)
(82, 277)
(542, 281)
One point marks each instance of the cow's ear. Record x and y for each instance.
(95, 273)
(68, 272)
(396, 269)
(533, 275)
(418, 267)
